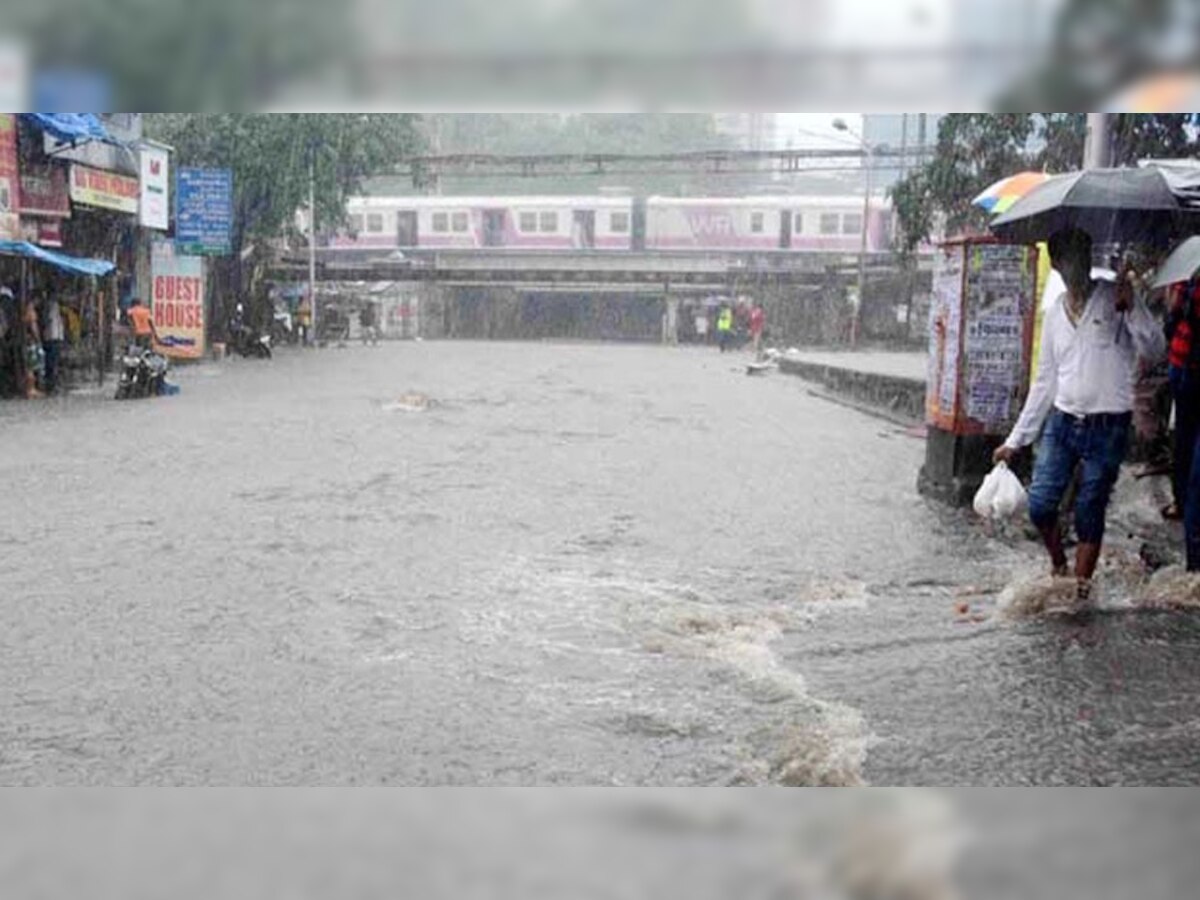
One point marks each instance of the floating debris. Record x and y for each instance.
(410, 402)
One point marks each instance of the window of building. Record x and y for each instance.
(618, 222)
(375, 223)
(756, 222)
(548, 221)
(852, 223)
(527, 222)
(441, 221)
(459, 221)
(356, 224)
(829, 223)
(798, 223)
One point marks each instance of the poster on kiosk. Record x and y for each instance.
(177, 301)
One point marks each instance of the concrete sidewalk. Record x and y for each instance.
(893, 383)
(910, 365)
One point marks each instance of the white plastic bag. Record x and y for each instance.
(1001, 494)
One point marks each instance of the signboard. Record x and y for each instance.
(1000, 293)
(177, 301)
(108, 190)
(203, 211)
(980, 334)
(44, 191)
(155, 205)
(945, 316)
(44, 232)
(10, 187)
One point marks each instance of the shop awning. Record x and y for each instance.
(76, 265)
(71, 128)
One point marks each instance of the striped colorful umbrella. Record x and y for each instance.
(1007, 191)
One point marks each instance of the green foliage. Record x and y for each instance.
(975, 150)
(269, 156)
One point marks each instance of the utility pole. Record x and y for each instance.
(1097, 149)
(855, 319)
(312, 236)
(868, 163)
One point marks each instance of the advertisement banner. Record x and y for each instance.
(204, 211)
(10, 188)
(44, 191)
(43, 232)
(155, 211)
(108, 190)
(177, 301)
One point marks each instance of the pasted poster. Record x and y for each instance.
(155, 208)
(945, 316)
(177, 301)
(1000, 294)
(10, 186)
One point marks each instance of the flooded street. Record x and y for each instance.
(492, 563)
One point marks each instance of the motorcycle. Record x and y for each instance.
(283, 328)
(247, 341)
(143, 374)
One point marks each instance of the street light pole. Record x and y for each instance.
(868, 163)
(312, 238)
(1097, 151)
(862, 248)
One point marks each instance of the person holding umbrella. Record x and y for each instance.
(1091, 339)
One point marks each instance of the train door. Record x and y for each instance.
(583, 229)
(493, 227)
(785, 229)
(638, 229)
(406, 228)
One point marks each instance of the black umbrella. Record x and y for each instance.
(1112, 205)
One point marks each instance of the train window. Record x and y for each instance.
(798, 223)
(374, 223)
(548, 221)
(356, 223)
(441, 221)
(852, 223)
(618, 222)
(829, 223)
(527, 222)
(756, 222)
(459, 221)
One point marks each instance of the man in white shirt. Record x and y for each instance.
(1092, 336)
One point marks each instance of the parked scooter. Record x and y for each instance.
(247, 341)
(143, 374)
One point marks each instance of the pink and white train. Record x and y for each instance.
(797, 223)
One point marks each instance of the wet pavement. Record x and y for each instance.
(472, 563)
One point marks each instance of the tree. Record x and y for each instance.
(975, 150)
(269, 156)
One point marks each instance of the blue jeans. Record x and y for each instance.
(1185, 390)
(1097, 444)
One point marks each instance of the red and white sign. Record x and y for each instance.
(45, 232)
(108, 190)
(177, 301)
(10, 186)
(44, 191)
(155, 211)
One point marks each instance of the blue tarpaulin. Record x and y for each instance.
(77, 265)
(71, 128)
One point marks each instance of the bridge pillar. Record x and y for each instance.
(670, 334)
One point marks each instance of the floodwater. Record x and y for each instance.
(474, 563)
